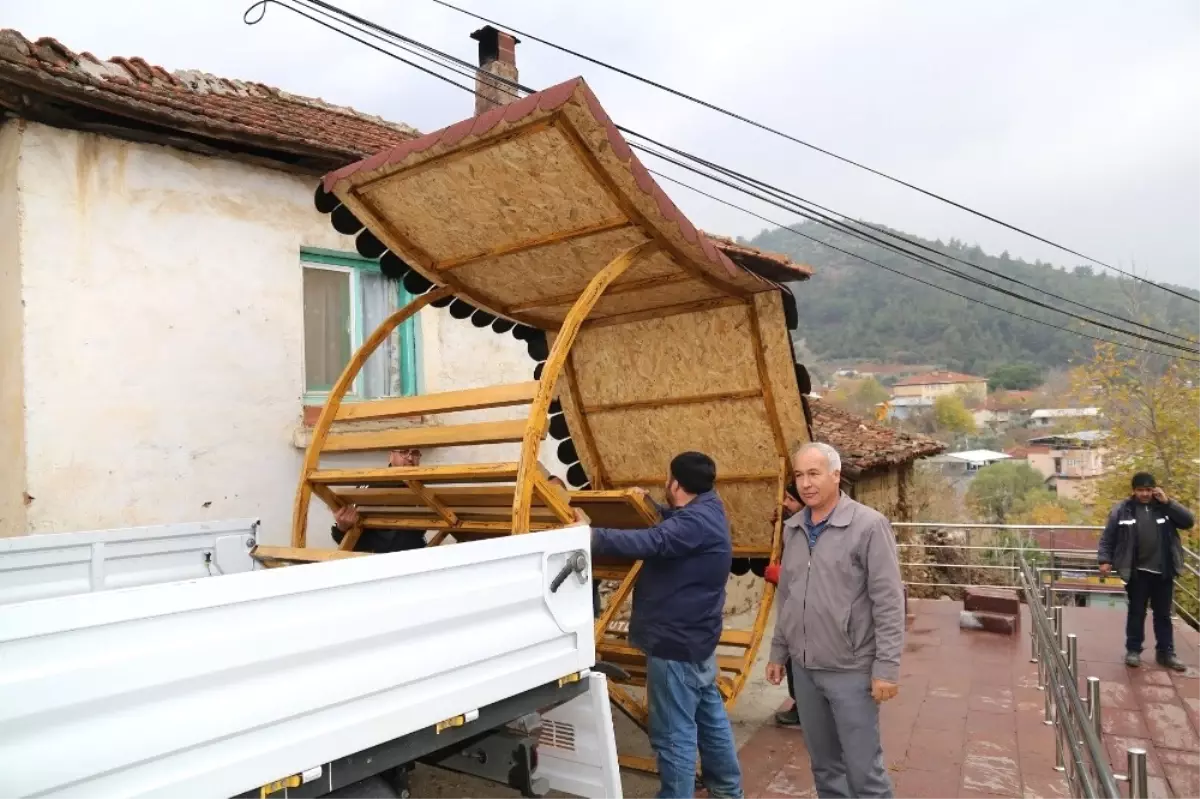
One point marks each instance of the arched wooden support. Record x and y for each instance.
(329, 412)
(535, 431)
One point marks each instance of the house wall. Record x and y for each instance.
(880, 490)
(12, 422)
(973, 391)
(164, 336)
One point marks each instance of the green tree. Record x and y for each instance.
(870, 393)
(951, 415)
(1015, 377)
(1000, 490)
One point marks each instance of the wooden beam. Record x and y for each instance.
(432, 501)
(615, 600)
(505, 432)
(555, 498)
(350, 539)
(589, 160)
(731, 396)
(603, 226)
(398, 475)
(553, 368)
(499, 527)
(721, 478)
(470, 399)
(620, 288)
(481, 496)
(586, 437)
(658, 313)
(302, 555)
(312, 455)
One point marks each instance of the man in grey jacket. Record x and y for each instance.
(841, 624)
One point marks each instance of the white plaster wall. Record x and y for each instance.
(12, 421)
(163, 338)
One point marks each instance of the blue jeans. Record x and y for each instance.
(686, 714)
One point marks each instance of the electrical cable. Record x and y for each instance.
(789, 137)
(473, 73)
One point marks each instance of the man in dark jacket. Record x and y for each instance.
(1141, 541)
(380, 541)
(678, 609)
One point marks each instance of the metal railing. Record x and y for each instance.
(997, 564)
(1079, 751)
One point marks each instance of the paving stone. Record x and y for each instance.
(1169, 727)
(986, 621)
(992, 600)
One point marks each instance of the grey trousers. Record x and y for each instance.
(841, 729)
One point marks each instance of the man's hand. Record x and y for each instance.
(581, 517)
(882, 690)
(775, 673)
(1161, 496)
(346, 517)
(638, 491)
(1105, 569)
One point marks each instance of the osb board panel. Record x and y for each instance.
(662, 296)
(748, 506)
(781, 369)
(682, 355)
(554, 270)
(618, 167)
(637, 442)
(520, 189)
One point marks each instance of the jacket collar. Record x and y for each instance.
(841, 516)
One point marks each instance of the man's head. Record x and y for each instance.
(405, 457)
(692, 473)
(1143, 487)
(817, 469)
(791, 499)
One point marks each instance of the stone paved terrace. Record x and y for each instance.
(968, 720)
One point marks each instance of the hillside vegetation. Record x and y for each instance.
(854, 311)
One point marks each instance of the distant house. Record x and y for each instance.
(877, 461)
(1004, 409)
(1072, 463)
(1048, 417)
(932, 385)
(960, 467)
(905, 407)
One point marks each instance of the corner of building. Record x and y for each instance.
(13, 496)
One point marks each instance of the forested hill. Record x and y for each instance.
(853, 310)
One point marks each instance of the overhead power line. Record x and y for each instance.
(789, 137)
(463, 68)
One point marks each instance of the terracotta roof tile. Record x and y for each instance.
(936, 378)
(191, 102)
(864, 444)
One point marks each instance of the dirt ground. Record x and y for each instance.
(755, 706)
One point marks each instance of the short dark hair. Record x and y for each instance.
(694, 471)
(792, 491)
(1144, 480)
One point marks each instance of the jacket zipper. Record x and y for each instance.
(804, 601)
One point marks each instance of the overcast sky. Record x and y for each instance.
(1078, 120)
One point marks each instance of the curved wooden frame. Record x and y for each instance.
(329, 412)
(555, 364)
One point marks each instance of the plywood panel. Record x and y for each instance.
(638, 442)
(781, 369)
(748, 506)
(524, 188)
(522, 277)
(674, 356)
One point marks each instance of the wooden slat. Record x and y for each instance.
(634, 660)
(433, 502)
(451, 435)
(617, 288)
(301, 554)
(454, 496)
(499, 527)
(737, 637)
(694, 306)
(475, 514)
(470, 399)
(603, 226)
(668, 401)
(398, 475)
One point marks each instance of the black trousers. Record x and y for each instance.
(791, 682)
(1158, 591)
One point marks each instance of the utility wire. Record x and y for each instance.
(853, 223)
(473, 72)
(803, 143)
(855, 255)
(838, 227)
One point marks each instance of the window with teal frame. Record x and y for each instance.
(345, 298)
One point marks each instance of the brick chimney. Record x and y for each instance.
(497, 56)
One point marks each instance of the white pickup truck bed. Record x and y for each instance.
(213, 687)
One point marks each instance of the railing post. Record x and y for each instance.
(1060, 631)
(1048, 718)
(1073, 658)
(1093, 700)
(1138, 788)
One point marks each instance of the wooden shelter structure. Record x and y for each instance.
(535, 219)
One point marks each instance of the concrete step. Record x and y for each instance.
(987, 621)
(992, 600)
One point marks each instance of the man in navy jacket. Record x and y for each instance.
(1141, 542)
(678, 607)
